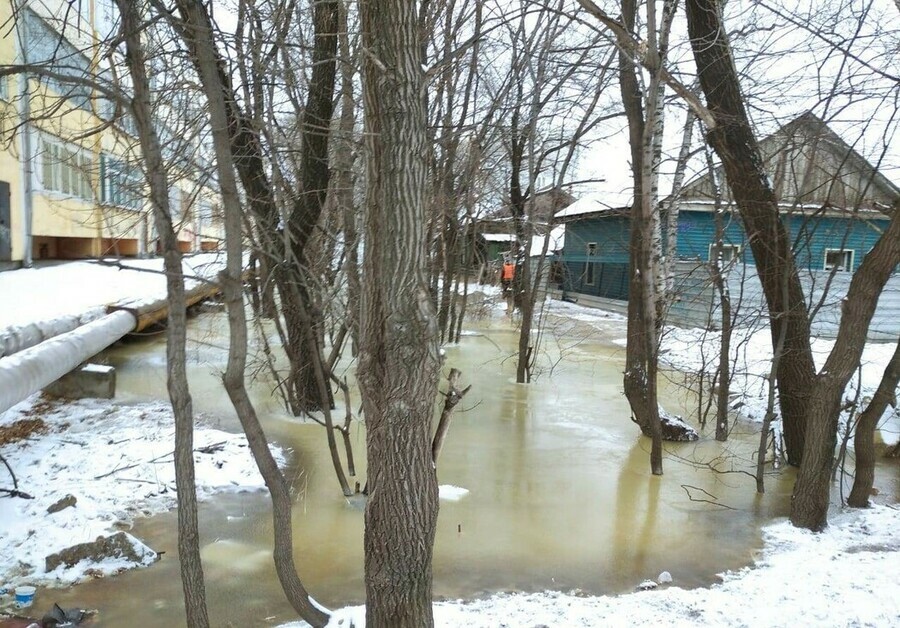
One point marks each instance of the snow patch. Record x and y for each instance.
(117, 461)
(451, 493)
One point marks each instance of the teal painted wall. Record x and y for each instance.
(810, 235)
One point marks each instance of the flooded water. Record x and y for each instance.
(560, 492)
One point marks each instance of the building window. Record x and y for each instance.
(589, 265)
(728, 253)
(839, 259)
(66, 169)
(121, 184)
(175, 204)
(204, 213)
(4, 88)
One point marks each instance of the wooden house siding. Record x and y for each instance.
(610, 234)
(830, 199)
(609, 274)
(697, 304)
(810, 165)
(811, 236)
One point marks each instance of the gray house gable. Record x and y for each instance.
(811, 167)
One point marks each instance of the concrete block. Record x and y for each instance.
(96, 381)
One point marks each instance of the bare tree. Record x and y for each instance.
(195, 28)
(398, 360)
(810, 402)
(192, 580)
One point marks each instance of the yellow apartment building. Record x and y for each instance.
(71, 178)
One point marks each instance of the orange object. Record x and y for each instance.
(508, 270)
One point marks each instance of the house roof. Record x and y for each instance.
(556, 242)
(810, 167)
(498, 237)
(542, 205)
(596, 205)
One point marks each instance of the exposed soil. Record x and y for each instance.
(21, 429)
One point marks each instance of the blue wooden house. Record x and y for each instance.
(834, 203)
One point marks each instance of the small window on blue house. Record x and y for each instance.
(730, 252)
(839, 259)
(589, 265)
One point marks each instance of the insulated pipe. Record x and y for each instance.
(148, 313)
(20, 337)
(28, 371)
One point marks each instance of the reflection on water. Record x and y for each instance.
(560, 493)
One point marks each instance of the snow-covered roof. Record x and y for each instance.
(596, 204)
(556, 241)
(498, 237)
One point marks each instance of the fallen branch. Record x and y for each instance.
(452, 398)
(714, 501)
(13, 492)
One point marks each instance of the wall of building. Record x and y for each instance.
(811, 235)
(70, 120)
(696, 304)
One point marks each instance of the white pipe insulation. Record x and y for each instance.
(26, 372)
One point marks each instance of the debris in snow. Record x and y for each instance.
(62, 618)
(121, 548)
(84, 439)
(66, 502)
(664, 578)
(646, 585)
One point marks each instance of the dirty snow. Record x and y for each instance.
(691, 350)
(117, 462)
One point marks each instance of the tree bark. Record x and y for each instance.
(735, 144)
(809, 502)
(196, 30)
(192, 580)
(398, 360)
(344, 158)
(640, 363)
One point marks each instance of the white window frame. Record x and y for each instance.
(734, 250)
(127, 177)
(58, 175)
(844, 268)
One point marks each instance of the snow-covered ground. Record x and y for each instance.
(82, 289)
(115, 460)
(848, 575)
(691, 350)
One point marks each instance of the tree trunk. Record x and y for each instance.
(452, 398)
(344, 158)
(718, 271)
(196, 29)
(809, 503)
(399, 360)
(192, 580)
(733, 140)
(640, 364)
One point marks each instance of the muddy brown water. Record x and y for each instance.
(560, 492)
